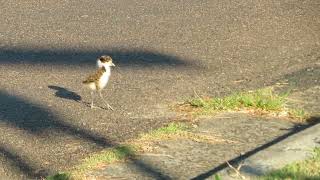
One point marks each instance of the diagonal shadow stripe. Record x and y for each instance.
(36, 120)
(20, 164)
(122, 57)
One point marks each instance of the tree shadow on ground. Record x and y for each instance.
(37, 120)
(122, 57)
(20, 113)
(19, 164)
(143, 167)
(296, 129)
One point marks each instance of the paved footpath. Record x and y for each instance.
(295, 148)
(232, 134)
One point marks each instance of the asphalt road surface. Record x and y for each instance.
(163, 51)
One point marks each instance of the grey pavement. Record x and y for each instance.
(261, 144)
(231, 134)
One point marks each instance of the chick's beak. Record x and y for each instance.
(112, 64)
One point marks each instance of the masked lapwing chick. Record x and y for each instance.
(98, 81)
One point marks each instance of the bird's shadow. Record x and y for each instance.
(70, 95)
(65, 93)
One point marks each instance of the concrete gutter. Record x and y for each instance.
(294, 148)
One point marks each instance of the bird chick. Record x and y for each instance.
(98, 81)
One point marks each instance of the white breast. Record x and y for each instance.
(105, 78)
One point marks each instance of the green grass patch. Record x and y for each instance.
(169, 130)
(107, 156)
(263, 99)
(120, 152)
(298, 114)
(59, 176)
(174, 131)
(104, 157)
(305, 170)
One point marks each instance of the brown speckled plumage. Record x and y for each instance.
(94, 78)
